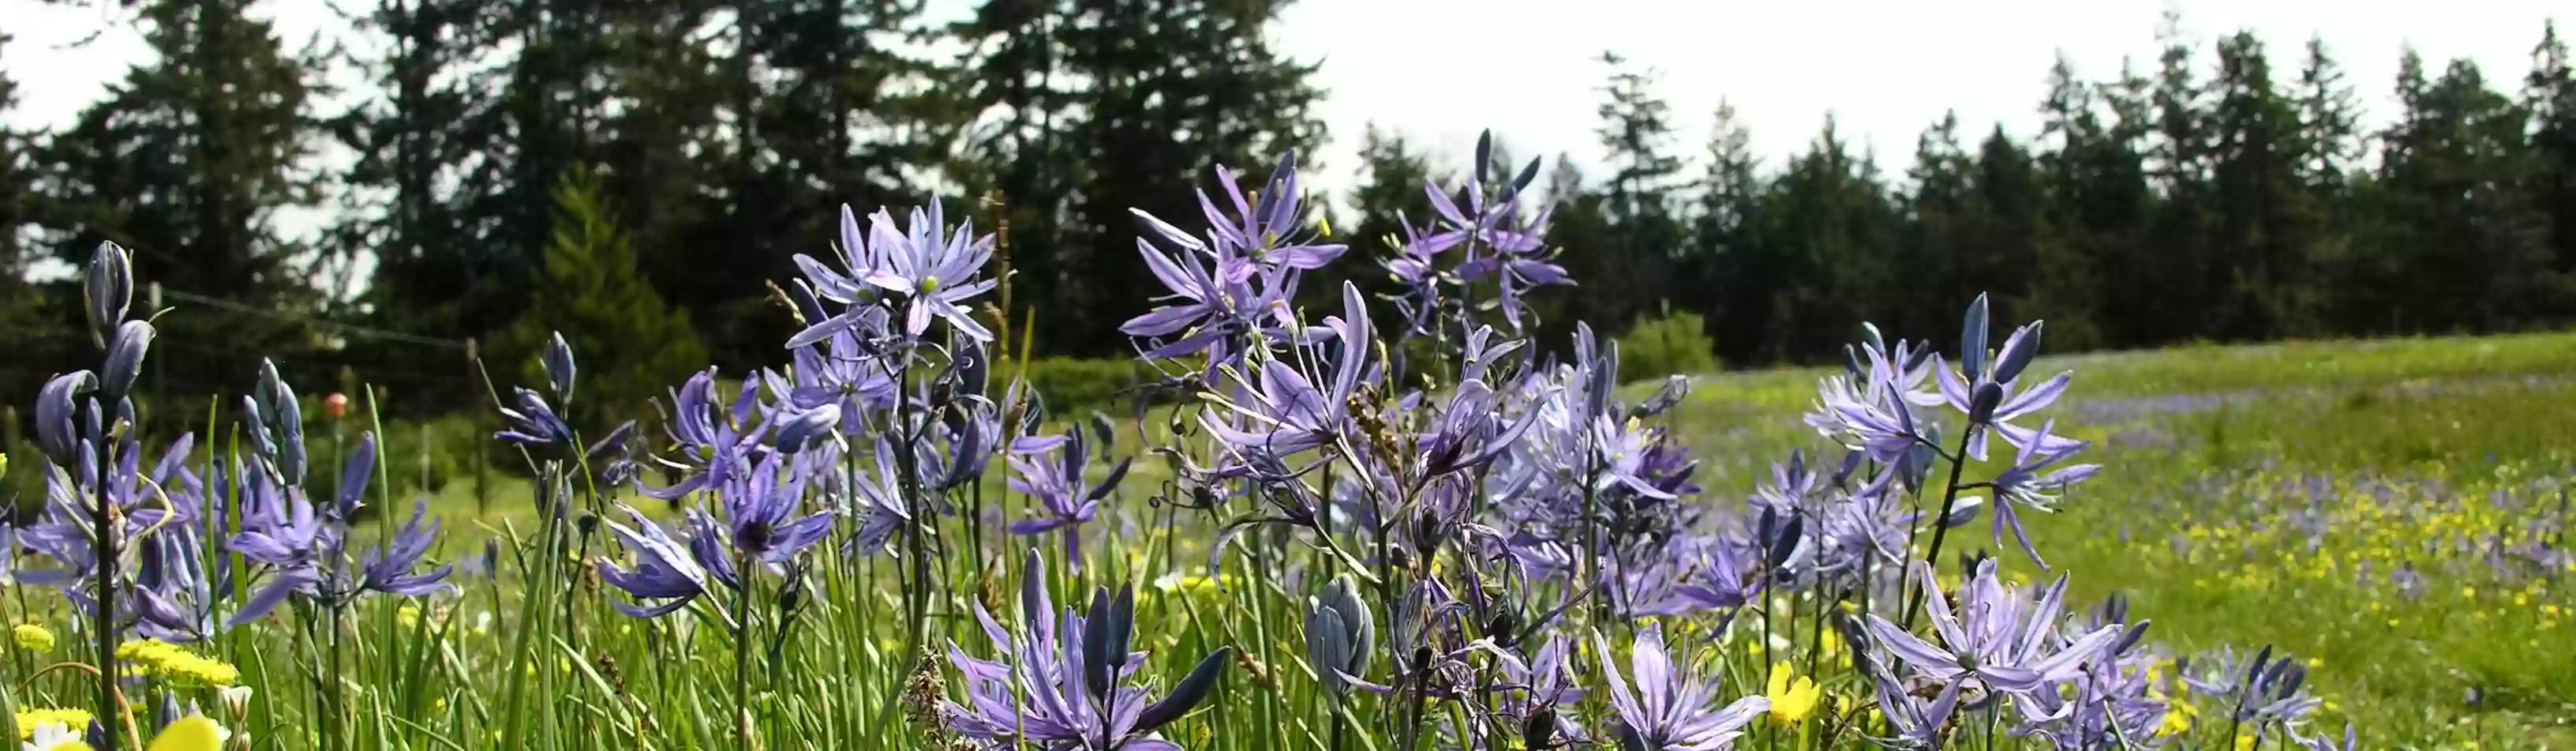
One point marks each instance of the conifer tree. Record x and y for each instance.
(630, 343)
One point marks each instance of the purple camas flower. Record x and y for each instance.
(390, 568)
(1206, 309)
(838, 370)
(533, 424)
(2004, 642)
(1669, 709)
(303, 545)
(1728, 575)
(2265, 690)
(667, 574)
(1498, 241)
(1472, 431)
(1865, 416)
(1986, 388)
(1859, 531)
(1285, 413)
(2110, 701)
(1066, 500)
(856, 255)
(934, 268)
(2326, 742)
(1916, 720)
(1060, 682)
(1270, 229)
(760, 513)
(1791, 488)
(1516, 263)
(2031, 483)
(931, 269)
(2012, 402)
(165, 591)
(877, 505)
(1238, 282)
(1622, 448)
(761, 524)
(1540, 686)
(715, 442)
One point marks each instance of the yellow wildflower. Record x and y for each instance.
(33, 638)
(1791, 700)
(28, 719)
(407, 616)
(172, 663)
(2177, 721)
(2244, 743)
(191, 733)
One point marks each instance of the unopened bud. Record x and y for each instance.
(1982, 409)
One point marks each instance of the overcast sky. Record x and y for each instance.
(1440, 70)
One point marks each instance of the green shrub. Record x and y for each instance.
(1675, 342)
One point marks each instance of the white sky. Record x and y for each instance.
(1441, 70)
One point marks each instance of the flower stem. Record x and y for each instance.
(742, 649)
(103, 524)
(1940, 522)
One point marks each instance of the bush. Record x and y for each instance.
(1675, 342)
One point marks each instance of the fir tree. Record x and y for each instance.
(186, 162)
(631, 345)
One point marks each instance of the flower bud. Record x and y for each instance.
(256, 420)
(1105, 429)
(109, 289)
(559, 367)
(235, 701)
(1505, 628)
(1964, 510)
(1340, 634)
(2017, 353)
(125, 353)
(1972, 340)
(57, 406)
(1982, 409)
(1538, 729)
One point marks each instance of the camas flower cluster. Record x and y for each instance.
(1465, 509)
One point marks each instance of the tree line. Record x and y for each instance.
(635, 175)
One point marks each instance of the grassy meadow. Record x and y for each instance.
(2363, 506)
(2271, 494)
(2267, 494)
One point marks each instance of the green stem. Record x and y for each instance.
(1940, 527)
(742, 649)
(103, 524)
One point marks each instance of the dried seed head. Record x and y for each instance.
(921, 694)
(1258, 673)
(608, 671)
